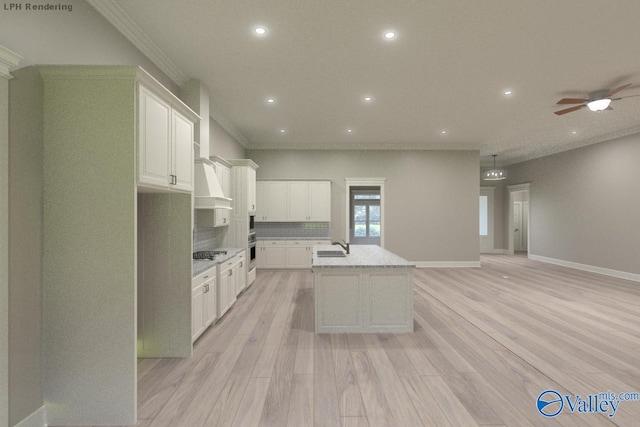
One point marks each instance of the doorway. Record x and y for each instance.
(519, 215)
(486, 219)
(365, 211)
(364, 215)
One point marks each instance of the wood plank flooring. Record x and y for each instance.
(487, 342)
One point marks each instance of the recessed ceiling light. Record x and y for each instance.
(349, 130)
(573, 132)
(283, 130)
(260, 31)
(443, 132)
(368, 98)
(507, 92)
(390, 35)
(271, 100)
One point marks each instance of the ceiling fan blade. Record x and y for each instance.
(568, 110)
(619, 88)
(572, 101)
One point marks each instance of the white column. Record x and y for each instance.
(8, 59)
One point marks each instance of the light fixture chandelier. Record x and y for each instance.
(494, 174)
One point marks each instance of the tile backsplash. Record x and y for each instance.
(265, 230)
(207, 238)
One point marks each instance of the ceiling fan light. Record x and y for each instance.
(599, 104)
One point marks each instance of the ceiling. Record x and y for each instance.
(439, 84)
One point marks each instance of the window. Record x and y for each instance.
(365, 216)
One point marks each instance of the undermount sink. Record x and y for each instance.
(334, 254)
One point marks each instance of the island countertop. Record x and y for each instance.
(360, 256)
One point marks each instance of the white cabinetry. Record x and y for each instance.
(204, 302)
(165, 143)
(138, 301)
(251, 190)
(240, 272)
(271, 254)
(294, 201)
(271, 199)
(286, 254)
(309, 201)
(230, 277)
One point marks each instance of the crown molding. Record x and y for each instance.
(115, 15)
(360, 146)
(8, 60)
(227, 126)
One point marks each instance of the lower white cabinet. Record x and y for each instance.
(286, 254)
(204, 302)
(232, 279)
(240, 268)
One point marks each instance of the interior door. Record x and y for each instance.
(517, 226)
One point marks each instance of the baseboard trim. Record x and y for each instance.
(585, 267)
(447, 264)
(495, 251)
(38, 418)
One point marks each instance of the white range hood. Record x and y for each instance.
(207, 192)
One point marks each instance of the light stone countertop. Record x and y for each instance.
(361, 256)
(202, 265)
(294, 238)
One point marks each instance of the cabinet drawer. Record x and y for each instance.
(203, 277)
(272, 243)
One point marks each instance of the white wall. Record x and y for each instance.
(585, 204)
(81, 36)
(222, 144)
(431, 196)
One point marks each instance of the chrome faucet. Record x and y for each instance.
(344, 245)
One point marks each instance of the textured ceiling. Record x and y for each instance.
(447, 69)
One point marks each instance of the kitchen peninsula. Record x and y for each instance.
(369, 290)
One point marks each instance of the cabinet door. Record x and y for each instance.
(197, 312)
(298, 256)
(319, 201)
(231, 290)
(298, 201)
(261, 201)
(275, 256)
(260, 256)
(272, 201)
(154, 142)
(182, 160)
(251, 190)
(210, 302)
(223, 291)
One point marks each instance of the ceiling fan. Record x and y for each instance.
(597, 101)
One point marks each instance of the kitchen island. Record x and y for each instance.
(369, 290)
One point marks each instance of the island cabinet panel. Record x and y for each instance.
(389, 300)
(340, 296)
(368, 290)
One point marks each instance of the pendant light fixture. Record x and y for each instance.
(494, 174)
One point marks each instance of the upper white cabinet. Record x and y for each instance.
(252, 203)
(309, 200)
(271, 198)
(165, 141)
(293, 201)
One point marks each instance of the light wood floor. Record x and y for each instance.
(487, 342)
